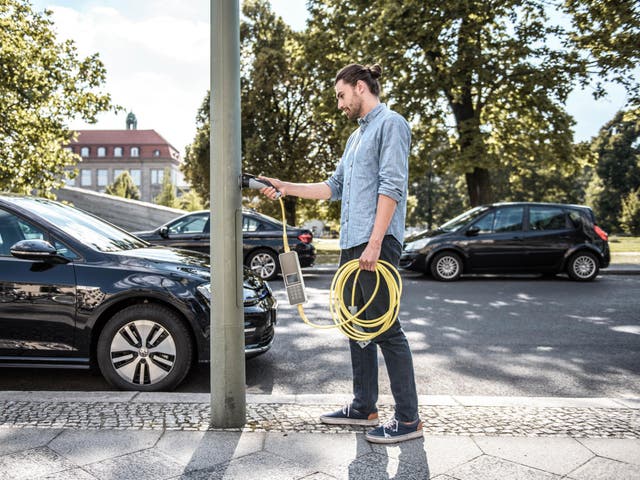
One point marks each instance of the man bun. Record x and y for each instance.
(375, 70)
(355, 72)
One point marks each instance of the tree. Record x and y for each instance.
(494, 75)
(123, 186)
(44, 84)
(630, 216)
(617, 171)
(280, 135)
(167, 195)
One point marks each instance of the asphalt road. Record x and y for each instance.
(480, 336)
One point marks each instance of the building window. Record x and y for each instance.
(85, 177)
(84, 151)
(157, 175)
(156, 153)
(103, 177)
(117, 152)
(136, 176)
(102, 152)
(70, 182)
(135, 152)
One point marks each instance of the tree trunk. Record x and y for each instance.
(479, 186)
(290, 210)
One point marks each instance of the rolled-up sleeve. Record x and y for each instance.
(335, 182)
(395, 143)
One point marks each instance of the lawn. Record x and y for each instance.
(624, 244)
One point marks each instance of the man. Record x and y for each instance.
(371, 180)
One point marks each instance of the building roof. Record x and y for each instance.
(120, 137)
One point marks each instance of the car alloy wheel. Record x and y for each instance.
(264, 264)
(583, 267)
(144, 347)
(446, 267)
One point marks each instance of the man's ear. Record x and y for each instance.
(361, 87)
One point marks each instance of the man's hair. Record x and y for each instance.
(369, 74)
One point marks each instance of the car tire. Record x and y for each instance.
(263, 263)
(583, 267)
(446, 267)
(145, 347)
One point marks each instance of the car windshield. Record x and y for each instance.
(88, 229)
(463, 219)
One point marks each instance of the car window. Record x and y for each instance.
(546, 218)
(190, 224)
(252, 225)
(83, 227)
(508, 219)
(485, 224)
(13, 229)
(460, 221)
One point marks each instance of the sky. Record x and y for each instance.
(156, 53)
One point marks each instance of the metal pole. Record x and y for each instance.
(228, 400)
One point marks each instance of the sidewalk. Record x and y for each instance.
(130, 435)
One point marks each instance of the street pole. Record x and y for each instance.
(228, 400)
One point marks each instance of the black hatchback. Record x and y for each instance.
(78, 292)
(261, 239)
(512, 238)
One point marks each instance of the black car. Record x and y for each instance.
(261, 239)
(512, 238)
(78, 292)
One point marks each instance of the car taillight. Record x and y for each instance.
(601, 233)
(305, 237)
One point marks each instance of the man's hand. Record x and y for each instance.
(271, 192)
(369, 258)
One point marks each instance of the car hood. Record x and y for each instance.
(424, 234)
(183, 262)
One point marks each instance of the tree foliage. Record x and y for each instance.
(43, 85)
(123, 186)
(489, 77)
(617, 171)
(630, 215)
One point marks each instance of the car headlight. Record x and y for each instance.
(417, 245)
(205, 291)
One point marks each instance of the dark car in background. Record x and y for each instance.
(525, 237)
(261, 239)
(78, 292)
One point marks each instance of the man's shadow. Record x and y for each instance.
(400, 461)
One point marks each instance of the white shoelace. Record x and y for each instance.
(391, 425)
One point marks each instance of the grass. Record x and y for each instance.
(624, 244)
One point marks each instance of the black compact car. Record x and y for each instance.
(512, 238)
(78, 292)
(261, 239)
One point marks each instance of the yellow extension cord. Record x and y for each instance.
(350, 324)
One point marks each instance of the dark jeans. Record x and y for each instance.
(393, 343)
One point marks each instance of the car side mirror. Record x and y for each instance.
(472, 231)
(164, 232)
(37, 250)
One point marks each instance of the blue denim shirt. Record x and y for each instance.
(375, 161)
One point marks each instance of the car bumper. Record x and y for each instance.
(259, 327)
(306, 255)
(412, 261)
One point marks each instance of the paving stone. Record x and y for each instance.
(623, 450)
(30, 464)
(440, 453)
(555, 455)
(606, 469)
(262, 465)
(316, 451)
(492, 468)
(73, 474)
(145, 465)
(376, 466)
(84, 447)
(17, 439)
(198, 450)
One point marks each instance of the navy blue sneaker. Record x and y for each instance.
(350, 416)
(394, 431)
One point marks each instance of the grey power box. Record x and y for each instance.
(292, 276)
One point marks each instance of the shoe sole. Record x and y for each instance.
(397, 439)
(349, 421)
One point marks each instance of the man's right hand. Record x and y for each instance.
(272, 192)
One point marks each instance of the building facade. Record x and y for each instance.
(107, 153)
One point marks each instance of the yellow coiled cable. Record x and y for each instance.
(350, 323)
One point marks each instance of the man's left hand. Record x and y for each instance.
(369, 258)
